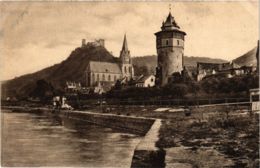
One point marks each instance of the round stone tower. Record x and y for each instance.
(170, 50)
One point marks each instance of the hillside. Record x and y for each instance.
(73, 69)
(150, 63)
(247, 59)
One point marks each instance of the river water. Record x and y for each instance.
(40, 140)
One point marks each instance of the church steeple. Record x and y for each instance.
(125, 53)
(125, 47)
(125, 61)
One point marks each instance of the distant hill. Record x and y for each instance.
(247, 59)
(151, 62)
(73, 69)
(144, 64)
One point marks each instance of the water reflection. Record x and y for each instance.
(40, 140)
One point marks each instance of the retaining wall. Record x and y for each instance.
(146, 153)
(137, 125)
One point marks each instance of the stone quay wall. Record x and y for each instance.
(146, 153)
(137, 125)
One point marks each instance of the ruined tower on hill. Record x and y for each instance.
(170, 50)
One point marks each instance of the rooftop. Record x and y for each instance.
(104, 67)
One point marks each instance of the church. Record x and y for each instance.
(105, 74)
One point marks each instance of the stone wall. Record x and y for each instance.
(146, 153)
(137, 125)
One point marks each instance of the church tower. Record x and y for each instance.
(170, 50)
(126, 61)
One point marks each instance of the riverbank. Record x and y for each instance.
(147, 155)
(42, 140)
(216, 140)
(132, 124)
(226, 134)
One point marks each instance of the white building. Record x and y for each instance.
(254, 99)
(145, 81)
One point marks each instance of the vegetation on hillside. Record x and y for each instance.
(247, 59)
(147, 64)
(73, 69)
(186, 88)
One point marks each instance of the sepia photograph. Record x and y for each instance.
(130, 84)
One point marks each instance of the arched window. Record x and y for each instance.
(93, 77)
(103, 77)
(167, 42)
(115, 78)
(178, 42)
(109, 77)
(130, 69)
(97, 77)
(125, 70)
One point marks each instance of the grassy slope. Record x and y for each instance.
(247, 59)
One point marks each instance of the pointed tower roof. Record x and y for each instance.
(125, 47)
(170, 22)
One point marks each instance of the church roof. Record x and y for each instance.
(104, 67)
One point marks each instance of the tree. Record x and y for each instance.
(142, 70)
(43, 90)
(118, 85)
(176, 78)
(178, 90)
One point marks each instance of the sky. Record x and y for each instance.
(35, 35)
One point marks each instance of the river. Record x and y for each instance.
(32, 140)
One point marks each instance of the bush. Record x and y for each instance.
(229, 85)
(176, 90)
